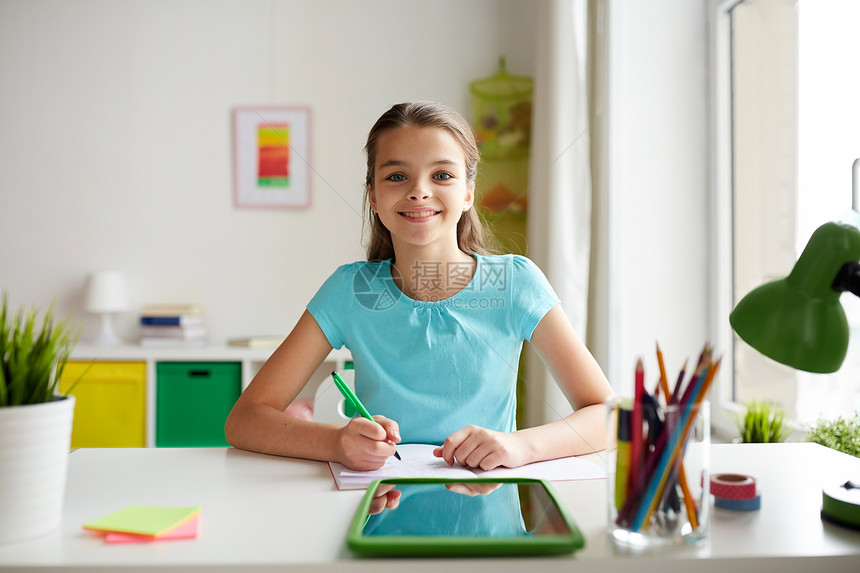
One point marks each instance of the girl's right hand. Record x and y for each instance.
(365, 445)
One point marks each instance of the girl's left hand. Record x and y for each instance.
(477, 447)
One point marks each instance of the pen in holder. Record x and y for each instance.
(658, 461)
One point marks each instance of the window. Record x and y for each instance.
(787, 124)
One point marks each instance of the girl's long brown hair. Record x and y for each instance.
(470, 230)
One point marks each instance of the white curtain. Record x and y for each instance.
(559, 223)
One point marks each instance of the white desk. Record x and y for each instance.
(263, 513)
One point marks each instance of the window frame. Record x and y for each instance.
(724, 409)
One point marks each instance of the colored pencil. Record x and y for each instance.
(636, 426)
(679, 382)
(663, 383)
(622, 454)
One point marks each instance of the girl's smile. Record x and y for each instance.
(420, 215)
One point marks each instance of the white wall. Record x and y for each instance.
(115, 141)
(658, 186)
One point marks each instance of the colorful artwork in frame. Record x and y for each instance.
(271, 147)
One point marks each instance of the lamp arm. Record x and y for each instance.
(848, 278)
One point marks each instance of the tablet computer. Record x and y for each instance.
(445, 517)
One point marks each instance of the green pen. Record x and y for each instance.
(349, 395)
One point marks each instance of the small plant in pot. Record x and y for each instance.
(762, 423)
(33, 358)
(841, 434)
(35, 421)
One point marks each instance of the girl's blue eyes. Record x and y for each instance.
(399, 177)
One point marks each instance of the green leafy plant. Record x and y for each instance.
(32, 358)
(842, 434)
(763, 422)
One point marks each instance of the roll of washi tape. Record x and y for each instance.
(841, 503)
(749, 504)
(733, 486)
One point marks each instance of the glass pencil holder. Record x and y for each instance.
(658, 494)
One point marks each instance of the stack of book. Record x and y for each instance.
(180, 325)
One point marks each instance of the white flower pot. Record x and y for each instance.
(34, 455)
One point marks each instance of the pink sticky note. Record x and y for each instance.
(187, 530)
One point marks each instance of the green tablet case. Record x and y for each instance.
(508, 505)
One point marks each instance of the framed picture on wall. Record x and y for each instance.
(271, 151)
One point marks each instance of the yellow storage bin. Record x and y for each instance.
(110, 404)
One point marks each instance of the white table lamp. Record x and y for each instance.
(106, 295)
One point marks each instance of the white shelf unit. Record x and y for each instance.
(251, 359)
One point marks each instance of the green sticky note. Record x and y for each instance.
(144, 520)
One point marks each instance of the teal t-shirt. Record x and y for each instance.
(436, 367)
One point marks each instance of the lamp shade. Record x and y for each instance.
(799, 320)
(106, 292)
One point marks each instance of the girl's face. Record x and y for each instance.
(420, 188)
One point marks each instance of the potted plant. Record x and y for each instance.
(762, 422)
(841, 434)
(35, 422)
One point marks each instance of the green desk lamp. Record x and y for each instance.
(800, 322)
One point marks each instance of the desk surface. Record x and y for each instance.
(264, 513)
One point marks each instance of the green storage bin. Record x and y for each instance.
(193, 400)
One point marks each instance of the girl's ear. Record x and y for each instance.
(469, 200)
(371, 198)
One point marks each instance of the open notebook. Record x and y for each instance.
(417, 460)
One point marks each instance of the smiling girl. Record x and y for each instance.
(435, 325)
